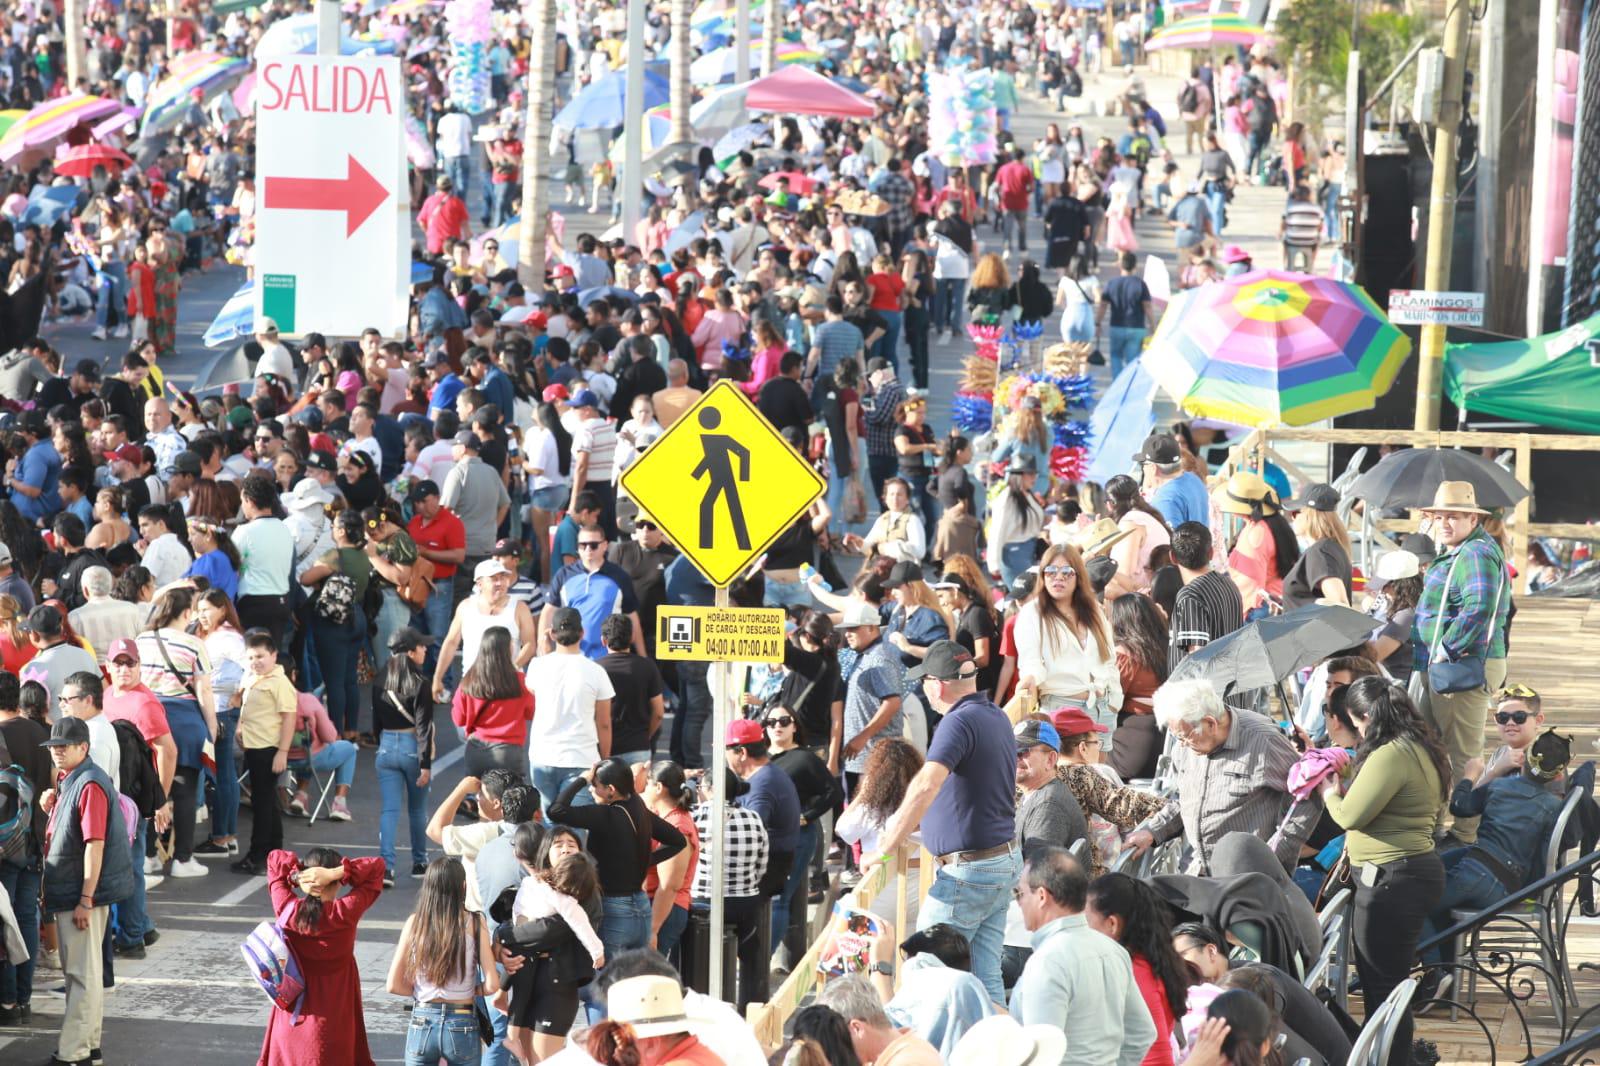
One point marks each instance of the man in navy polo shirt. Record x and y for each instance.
(597, 588)
(964, 801)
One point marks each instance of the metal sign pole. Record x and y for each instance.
(719, 797)
(328, 27)
(633, 151)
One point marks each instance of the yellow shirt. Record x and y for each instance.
(266, 698)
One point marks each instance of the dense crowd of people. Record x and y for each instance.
(225, 605)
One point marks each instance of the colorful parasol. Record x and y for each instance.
(80, 162)
(723, 63)
(10, 118)
(1207, 31)
(51, 121)
(797, 90)
(1272, 348)
(207, 73)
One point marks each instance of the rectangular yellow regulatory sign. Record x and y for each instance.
(720, 634)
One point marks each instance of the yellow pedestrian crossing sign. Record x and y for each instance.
(722, 483)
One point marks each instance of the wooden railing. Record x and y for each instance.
(1257, 446)
(768, 1019)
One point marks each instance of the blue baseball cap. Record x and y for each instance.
(1031, 734)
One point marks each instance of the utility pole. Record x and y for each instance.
(327, 28)
(77, 56)
(741, 42)
(536, 150)
(1442, 212)
(632, 149)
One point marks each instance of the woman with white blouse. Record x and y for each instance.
(1065, 656)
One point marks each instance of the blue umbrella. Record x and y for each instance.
(606, 292)
(603, 104)
(855, 85)
(46, 204)
(1121, 421)
(236, 319)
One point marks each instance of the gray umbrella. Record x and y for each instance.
(1265, 652)
(1410, 477)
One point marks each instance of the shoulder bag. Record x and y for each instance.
(186, 679)
(1466, 674)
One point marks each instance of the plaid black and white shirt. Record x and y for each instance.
(746, 840)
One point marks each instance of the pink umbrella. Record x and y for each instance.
(116, 124)
(244, 97)
(798, 183)
(800, 90)
(49, 122)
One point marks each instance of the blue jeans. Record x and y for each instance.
(626, 923)
(692, 745)
(132, 921)
(503, 201)
(398, 768)
(225, 792)
(972, 896)
(550, 780)
(459, 170)
(1216, 205)
(107, 298)
(805, 844)
(340, 757)
(1331, 191)
(889, 344)
(442, 1031)
(1468, 885)
(337, 648)
(21, 877)
(787, 594)
(949, 303)
(1014, 222)
(671, 934)
(1126, 343)
(436, 615)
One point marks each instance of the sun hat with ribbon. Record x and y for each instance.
(1246, 493)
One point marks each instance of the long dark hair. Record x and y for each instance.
(1146, 930)
(1391, 717)
(1123, 495)
(670, 776)
(439, 927)
(1137, 628)
(1285, 545)
(493, 674)
(546, 415)
(828, 1029)
(308, 915)
(402, 677)
(1249, 1025)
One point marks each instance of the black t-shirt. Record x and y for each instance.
(954, 484)
(637, 682)
(606, 336)
(818, 789)
(832, 405)
(120, 400)
(975, 624)
(494, 453)
(794, 546)
(1322, 560)
(783, 400)
(1066, 219)
(866, 320)
(914, 464)
(809, 689)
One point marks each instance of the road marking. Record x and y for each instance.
(242, 893)
(448, 759)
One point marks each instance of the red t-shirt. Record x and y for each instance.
(1155, 998)
(91, 812)
(444, 533)
(443, 216)
(141, 707)
(494, 721)
(1008, 650)
(1016, 182)
(886, 290)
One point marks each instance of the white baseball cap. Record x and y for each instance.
(488, 568)
(860, 613)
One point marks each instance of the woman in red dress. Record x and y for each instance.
(321, 928)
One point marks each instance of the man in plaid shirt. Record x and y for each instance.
(744, 838)
(1466, 598)
(887, 395)
(893, 188)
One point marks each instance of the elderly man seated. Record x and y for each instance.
(1232, 770)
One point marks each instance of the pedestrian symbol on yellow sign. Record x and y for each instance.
(718, 466)
(722, 483)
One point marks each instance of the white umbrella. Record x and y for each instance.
(720, 111)
(686, 232)
(738, 139)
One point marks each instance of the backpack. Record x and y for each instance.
(16, 808)
(1139, 148)
(335, 602)
(1188, 99)
(137, 778)
(273, 964)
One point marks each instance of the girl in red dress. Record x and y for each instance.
(321, 928)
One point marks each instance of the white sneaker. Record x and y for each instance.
(152, 880)
(338, 810)
(152, 865)
(192, 868)
(120, 331)
(50, 959)
(201, 813)
(98, 333)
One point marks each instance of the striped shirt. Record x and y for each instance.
(745, 837)
(597, 437)
(1302, 224)
(1207, 608)
(1239, 787)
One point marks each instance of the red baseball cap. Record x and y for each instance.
(562, 271)
(555, 393)
(128, 453)
(123, 648)
(1070, 721)
(321, 442)
(746, 731)
(537, 320)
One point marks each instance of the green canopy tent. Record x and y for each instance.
(1553, 380)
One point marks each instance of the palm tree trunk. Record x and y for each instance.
(680, 58)
(536, 150)
(769, 38)
(77, 56)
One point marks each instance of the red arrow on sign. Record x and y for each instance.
(357, 194)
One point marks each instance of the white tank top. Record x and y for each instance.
(474, 624)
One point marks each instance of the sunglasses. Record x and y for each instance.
(644, 525)
(1058, 571)
(591, 543)
(780, 719)
(1507, 717)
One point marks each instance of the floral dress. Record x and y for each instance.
(164, 323)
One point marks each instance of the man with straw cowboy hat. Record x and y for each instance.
(1459, 630)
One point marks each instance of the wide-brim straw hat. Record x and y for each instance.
(1244, 493)
(1098, 538)
(651, 1005)
(1455, 496)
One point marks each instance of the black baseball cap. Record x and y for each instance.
(1316, 498)
(468, 439)
(186, 463)
(44, 620)
(1549, 755)
(406, 639)
(321, 460)
(67, 731)
(903, 572)
(507, 546)
(422, 490)
(1159, 449)
(566, 622)
(88, 369)
(946, 661)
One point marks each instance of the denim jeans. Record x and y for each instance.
(459, 170)
(691, 748)
(225, 794)
(949, 304)
(1014, 222)
(340, 757)
(550, 780)
(1126, 343)
(1468, 885)
(442, 1031)
(794, 884)
(1217, 206)
(132, 920)
(1259, 139)
(889, 344)
(787, 594)
(398, 768)
(436, 615)
(496, 1054)
(972, 896)
(337, 648)
(20, 875)
(503, 204)
(108, 301)
(626, 923)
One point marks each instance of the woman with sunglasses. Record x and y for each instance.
(1065, 655)
(1395, 796)
(819, 794)
(916, 446)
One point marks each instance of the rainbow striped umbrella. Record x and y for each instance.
(207, 72)
(1272, 348)
(49, 122)
(723, 64)
(1207, 31)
